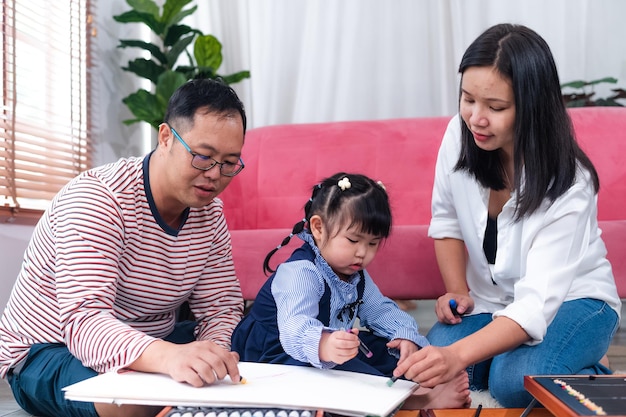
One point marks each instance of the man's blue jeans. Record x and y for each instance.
(576, 340)
(38, 386)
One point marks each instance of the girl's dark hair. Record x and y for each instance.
(213, 95)
(364, 204)
(544, 144)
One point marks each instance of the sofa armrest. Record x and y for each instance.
(614, 237)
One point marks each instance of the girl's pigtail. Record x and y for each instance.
(297, 228)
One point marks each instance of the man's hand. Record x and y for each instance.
(197, 363)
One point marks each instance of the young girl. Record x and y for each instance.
(305, 312)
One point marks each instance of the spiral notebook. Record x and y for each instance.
(267, 385)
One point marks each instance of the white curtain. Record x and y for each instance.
(326, 60)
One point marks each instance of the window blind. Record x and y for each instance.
(44, 114)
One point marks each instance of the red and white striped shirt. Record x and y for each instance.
(103, 274)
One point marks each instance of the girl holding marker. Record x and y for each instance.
(306, 311)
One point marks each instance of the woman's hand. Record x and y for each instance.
(339, 346)
(444, 311)
(430, 366)
(434, 365)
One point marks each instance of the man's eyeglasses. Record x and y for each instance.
(205, 163)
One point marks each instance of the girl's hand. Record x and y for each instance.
(444, 311)
(406, 348)
(339, 346)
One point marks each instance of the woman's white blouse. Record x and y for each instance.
(554, 255)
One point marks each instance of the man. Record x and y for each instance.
(120, 248)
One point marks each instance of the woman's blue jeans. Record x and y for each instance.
(575, 341)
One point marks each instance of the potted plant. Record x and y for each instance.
(583, 93)
(163, 69)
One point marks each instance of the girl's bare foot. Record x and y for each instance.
(605, 361)
(452, 394)
(406, 305)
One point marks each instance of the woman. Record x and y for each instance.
(515, 227)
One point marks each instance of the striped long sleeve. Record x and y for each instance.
(104, 275)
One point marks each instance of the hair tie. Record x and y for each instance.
(344, 183)
(381, 185)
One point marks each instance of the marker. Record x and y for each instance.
(392, 380)
(478, 409)
(453, 306)
(242, 380)
(362, 347)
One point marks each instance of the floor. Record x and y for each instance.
(425, 318)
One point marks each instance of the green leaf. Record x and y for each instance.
(144, 6)
(145, 68)
(178, 48)
(607, 102)
(180, 16)
(575, 84)
(175, 32)
(577, 103)
(609, 80)
(579, 84)
(131, 121)
(172, 8)
(145, 107)
(134, 16)
(154, 50)
(208, 51)
(206, 72)
(236, 77)
(187, 70)
(167, 83)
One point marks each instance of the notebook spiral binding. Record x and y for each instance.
(237, 412)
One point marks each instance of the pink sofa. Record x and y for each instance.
(283, 162)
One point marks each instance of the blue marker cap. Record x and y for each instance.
(453, 306)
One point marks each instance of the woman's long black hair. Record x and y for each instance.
(545, 149)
